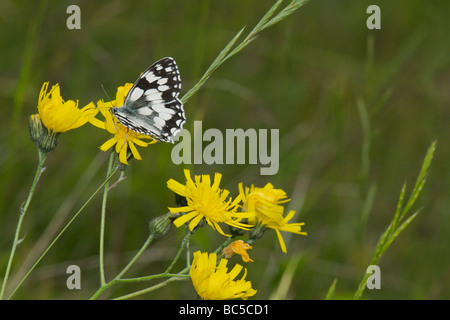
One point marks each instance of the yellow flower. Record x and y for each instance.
(263, 201)
(55, 116)
(206, 201)
(58, 115)
(124, 138)
(269, 213)
(214, 282)
(237, 247)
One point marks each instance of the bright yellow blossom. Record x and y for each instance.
(124, 138)
(269, 213)
(58, 115)
(207, 201)
(263, 201)
(214, 282)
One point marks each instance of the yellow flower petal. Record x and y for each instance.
(134, 151)
(123, 155)
(108, 144)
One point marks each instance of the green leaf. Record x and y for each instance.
(331, 290)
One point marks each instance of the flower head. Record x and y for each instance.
(237, 247)
(207, 201)
(124, 138)
(214, 282)
(263, 201)
(269, 213)
(56, 116)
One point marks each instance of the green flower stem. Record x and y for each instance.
(184, 244)
(64, 229)
(140, 252)
(40, 168)
(182, 275)
(153, 277)
(119, 276)
(102, 222)
(188, 249)
(166, 273)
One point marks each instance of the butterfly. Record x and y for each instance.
(152, 106)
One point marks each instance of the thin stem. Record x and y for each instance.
(102, 222)
(184, 243)
(23, 211)
(166, 273)
(157, 286)
(140, 252)
(128, 266)
(152, 277)
(182, 275)
(64, 229)
(188, 250)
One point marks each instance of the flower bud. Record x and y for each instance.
(257, 232)
(44, 139)
(37, 129)
(160, 226)
(236, 232)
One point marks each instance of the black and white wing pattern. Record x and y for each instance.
(152, 106)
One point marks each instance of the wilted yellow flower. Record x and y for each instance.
(58, 115)
(237, 247)
(124, 138)
(214, 282)
(207, 201)
(269, 213)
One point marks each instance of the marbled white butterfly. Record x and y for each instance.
(152, 106)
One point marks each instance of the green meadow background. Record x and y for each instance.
(356, 109)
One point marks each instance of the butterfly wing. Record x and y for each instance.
(152, 106)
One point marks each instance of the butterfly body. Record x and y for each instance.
(152, 106)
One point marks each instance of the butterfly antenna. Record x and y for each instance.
(106, 93)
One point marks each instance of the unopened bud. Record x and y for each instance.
(160, 226)
(257, 232)
(44, 139)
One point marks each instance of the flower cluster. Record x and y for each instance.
(201, 200)
(56, 116)
(253, 210)
(261, 207)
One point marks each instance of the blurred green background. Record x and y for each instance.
(304, 76)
